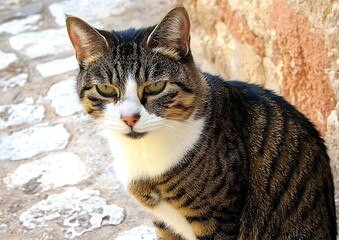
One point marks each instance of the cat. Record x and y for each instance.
(207, 158)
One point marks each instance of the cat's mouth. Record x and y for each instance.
(135, 135)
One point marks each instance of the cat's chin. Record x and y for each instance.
(135, 135)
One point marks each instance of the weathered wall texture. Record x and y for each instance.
(288, 46)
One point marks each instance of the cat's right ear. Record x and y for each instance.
(171, 36)
(88, 43)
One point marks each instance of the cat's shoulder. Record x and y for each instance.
(250, 91)
(254, 91)
(255, 98)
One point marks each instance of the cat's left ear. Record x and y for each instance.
(171, 36)
(88, 43)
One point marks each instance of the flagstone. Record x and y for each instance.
(28, 142)
(76, 211)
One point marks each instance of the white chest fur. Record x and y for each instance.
(162, 148)
(155, 153)
(173, 219)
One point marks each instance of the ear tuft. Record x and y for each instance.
(88, 43)
(171, 35)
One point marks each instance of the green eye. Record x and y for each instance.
(107, 91)
(155, 88)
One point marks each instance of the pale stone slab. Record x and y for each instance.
(87, 10)
(64, 98)
(57, 66)
(17, 26)
(6, 59)
(28, 142)
(53, 171)
(42, 43)
(25, 10)
(138, 233)
(16, 81)
(77, 211)
(7, 3)
(3, 227)
(16, 114)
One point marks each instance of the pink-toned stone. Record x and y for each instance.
(238, 26)
(304, 59)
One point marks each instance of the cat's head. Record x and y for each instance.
(138, 81)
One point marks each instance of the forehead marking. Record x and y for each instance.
(130, 104)
(131, 91)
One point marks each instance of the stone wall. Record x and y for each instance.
(288, 46)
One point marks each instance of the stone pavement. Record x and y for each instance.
(56, 177)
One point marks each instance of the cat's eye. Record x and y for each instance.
(107, 90)
(155, 88)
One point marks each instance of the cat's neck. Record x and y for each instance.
(155, 153)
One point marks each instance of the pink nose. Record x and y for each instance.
(130, 120)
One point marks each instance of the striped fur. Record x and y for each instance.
(208, 158)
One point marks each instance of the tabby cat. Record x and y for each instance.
(207, 158)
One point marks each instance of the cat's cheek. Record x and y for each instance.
(181, 114)
(159, 111)
(179, 108)
(147, 121)
(111, 120)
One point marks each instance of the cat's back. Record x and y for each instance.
(290, 186)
